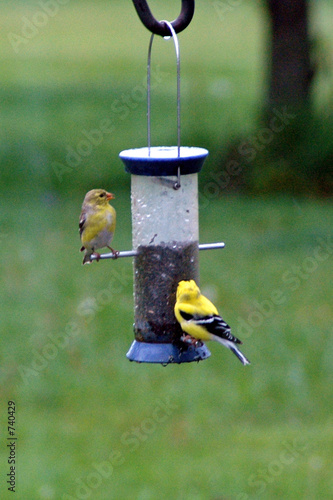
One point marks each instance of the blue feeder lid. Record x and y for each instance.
(144, 352)
(163, 160)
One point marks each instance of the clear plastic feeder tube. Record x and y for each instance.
(165, 234)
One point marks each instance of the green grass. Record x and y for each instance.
(208, 431)
(223, 430)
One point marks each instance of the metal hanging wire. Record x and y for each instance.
(176, 44)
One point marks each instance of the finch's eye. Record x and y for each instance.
(102, 195)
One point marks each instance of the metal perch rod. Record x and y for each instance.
(133, 253)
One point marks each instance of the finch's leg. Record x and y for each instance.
(98, 256)
(115, 252)
(187, 339)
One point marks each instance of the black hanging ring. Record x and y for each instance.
(159, 27)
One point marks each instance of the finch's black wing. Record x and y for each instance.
(82, 222)
(214, 324)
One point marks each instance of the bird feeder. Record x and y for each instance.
(165, 234)
(165, 228)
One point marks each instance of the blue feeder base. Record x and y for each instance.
(144, 352)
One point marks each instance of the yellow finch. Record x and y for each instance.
(97, 223)
(199, 318)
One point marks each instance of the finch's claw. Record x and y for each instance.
(98, 256)
(115, 252)
(187, 339)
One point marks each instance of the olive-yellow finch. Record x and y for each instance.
(199, 318)
(97, 223)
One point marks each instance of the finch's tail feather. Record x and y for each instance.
(232, 346)
(239, 355)
(86, 258)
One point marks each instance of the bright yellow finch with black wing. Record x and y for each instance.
(97, 223)
(199, 318)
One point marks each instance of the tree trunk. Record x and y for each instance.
(291, 72)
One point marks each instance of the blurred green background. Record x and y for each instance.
(90, 424)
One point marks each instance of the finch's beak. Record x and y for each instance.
(109, 196)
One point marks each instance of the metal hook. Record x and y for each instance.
(159, 27)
